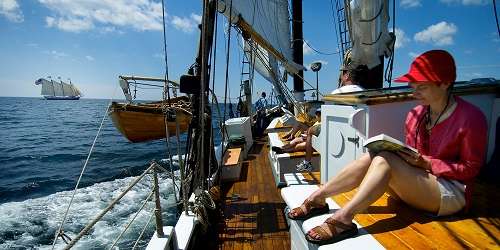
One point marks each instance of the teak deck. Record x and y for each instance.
(254, 219)
(253, 213)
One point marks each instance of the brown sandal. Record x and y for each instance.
(329, 234)
(307, 210)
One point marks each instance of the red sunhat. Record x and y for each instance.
(431, 66)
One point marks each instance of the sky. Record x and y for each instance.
(92, 42)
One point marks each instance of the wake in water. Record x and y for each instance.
(32, 223)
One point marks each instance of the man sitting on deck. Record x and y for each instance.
(349, 79)
(450, 136)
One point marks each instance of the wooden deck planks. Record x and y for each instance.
(255, 220)
(396, 225)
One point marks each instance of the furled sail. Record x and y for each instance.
(370, 38)
(267, 23)
(266, 65)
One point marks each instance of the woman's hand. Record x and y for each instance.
(416, 161)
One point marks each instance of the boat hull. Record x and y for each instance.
(146, 122)
(61, 97)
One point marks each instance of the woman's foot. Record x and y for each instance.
(308, 209)
(331, 231)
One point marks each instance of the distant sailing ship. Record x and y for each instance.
(58, 90)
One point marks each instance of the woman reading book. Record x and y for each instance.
(448, 132)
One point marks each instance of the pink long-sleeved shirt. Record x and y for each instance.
(455, 147)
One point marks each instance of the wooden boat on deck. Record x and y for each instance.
(146, 121)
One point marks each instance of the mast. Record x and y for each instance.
(298, 53)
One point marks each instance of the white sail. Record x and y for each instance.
(267, 23)
(266, 65)
(47, 88)
(368, 21)
(68, 91)
(58, 89)
(76, 90)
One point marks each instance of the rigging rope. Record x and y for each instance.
(144, 229)
(496, 15)
(166, 93)
(390, 63)
(319, 52)
(228, 49)
(133, 219)
(59, 231)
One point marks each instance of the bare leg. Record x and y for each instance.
(298, 147)
(349, 178)
(414, 186)
(292, 144)
(309, 149)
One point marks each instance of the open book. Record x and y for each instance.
(384, 142)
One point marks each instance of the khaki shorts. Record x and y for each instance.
(452, 196)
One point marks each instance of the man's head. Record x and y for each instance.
(352, 76)
(263, 94)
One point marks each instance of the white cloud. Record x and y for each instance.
(186, 24)
(80, 15)
(410, 3)
(11, 10)
(466, 2)
(412, 54)
(89, 58)
(55, 54)
(307, 50)
(401, 38)
(196, 18)
(438, 34)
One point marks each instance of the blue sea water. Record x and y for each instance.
(43, 145)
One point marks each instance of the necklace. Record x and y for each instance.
(428, 116)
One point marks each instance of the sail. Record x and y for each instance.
(370, 38)
(47, 88)
(76, 90)
(266, 65)
(267, 23)
(58, 89)
(68, 91)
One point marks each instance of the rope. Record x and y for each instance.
(166, 93)
(496, 15)
(319, 52)
(143, 229)
(228, 49)
(133, 219)
(59, 231)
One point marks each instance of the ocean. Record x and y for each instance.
(43, 145)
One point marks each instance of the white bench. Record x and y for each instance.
(294, 196)
(282, 164)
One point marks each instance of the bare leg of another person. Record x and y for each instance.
(414, 186)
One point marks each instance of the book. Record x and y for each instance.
(384, 142)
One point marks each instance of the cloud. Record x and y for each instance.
(89, 58)
(55, 54)
(437, 34)
(82, 15)
(33, 45)
(466, 2)
(410, 3)
(412, 54)
(307, 50)
(11, 10)
(401, 38)
(196, 18)
(186, 24)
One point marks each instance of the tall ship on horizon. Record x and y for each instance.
(58, 90)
